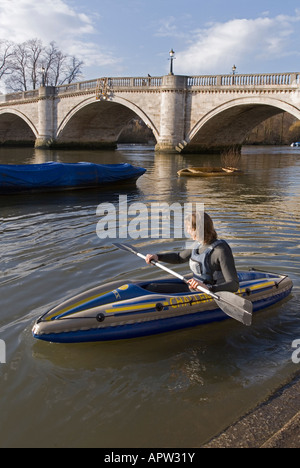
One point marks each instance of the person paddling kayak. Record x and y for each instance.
(211, 261)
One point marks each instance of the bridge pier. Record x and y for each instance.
(172, 113)
(46, 124)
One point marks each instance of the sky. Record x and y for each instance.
(134, 37)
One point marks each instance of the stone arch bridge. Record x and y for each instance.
(185, 113)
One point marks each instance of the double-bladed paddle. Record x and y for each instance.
(232, 305)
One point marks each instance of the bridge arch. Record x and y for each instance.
(100, 121)
(16, 127)
(229, 124)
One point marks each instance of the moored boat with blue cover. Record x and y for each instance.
(116, 311)
(63, 176)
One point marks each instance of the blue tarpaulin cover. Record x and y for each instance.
(53, 175)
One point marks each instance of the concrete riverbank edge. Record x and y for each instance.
(275, 423)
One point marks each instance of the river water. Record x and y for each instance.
(172, 390)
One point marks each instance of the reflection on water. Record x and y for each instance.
(177, 389)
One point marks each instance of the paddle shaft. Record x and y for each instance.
(182, 278)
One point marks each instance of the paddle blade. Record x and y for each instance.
(236, 307)
(127, 248)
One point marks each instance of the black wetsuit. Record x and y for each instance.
(221, 260)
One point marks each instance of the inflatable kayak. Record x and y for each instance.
(62, 176)
(118, 311)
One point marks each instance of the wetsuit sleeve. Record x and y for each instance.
(224, 258)
(175, 258)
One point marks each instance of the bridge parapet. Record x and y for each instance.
(247, 81)
(19, 96)
(272, 80)
(113, 83)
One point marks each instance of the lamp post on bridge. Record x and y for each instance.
(172, 58)
(43, 77)
(233, 73)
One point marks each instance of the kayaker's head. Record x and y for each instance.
(201, 228)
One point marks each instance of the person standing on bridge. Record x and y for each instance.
(211, 261)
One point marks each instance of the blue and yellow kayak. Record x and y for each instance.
(116, 311)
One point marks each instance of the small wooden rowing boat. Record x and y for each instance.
(208, 171)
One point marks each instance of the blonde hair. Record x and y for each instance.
(208, 233)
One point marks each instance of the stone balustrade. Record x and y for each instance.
(201, 81)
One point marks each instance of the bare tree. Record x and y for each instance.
(6, 55)
(19, 79)
(60, 68)
(53, 64)
(32, 64)
(73, 70)
(35, 50)
(49, 58)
